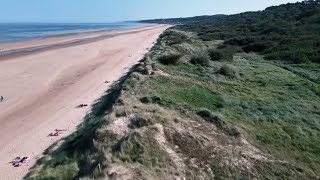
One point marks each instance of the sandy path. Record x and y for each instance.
(44, 89)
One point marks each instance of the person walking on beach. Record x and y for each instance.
(1, 99)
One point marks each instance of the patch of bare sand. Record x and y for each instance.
(161, 139)
(118, 127)
(202, 147)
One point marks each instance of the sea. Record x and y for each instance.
(17, 32)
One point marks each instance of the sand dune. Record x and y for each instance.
(45, 87)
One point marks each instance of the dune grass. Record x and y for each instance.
(278, 108)
(183, 94)
(276, 104)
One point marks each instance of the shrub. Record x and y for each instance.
(140, 121)
(232, 130)
(121, 113)
(292, 55)
(171, 59)
(315, 57)
(67, 171)
(227, 71)
(240, 41)
(211, 117)
(228, 51)
(219, 122)
(153, 99)
(298, 58)
(156, 99)
(215, 55)
(174, 37)
(130, 149)
(145, 100)
(143, 69)
(254, 47)
(201, 60)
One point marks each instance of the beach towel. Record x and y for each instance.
(4, 100)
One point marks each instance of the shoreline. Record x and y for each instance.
(24, 32)
(18, 49)
(31, 50)
(45, 87)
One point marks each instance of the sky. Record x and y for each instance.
(77, 11)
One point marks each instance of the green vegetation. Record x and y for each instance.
(140, 149)
(275, 103)
(227, 71)
(288, 32)
(215, 55)
(176, 93)
(174, 37)
(220, 97)
(202, 60)
(170, 59)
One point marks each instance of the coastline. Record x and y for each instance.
(17, 49)
(45, 86)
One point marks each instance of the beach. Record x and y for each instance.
(42, 88)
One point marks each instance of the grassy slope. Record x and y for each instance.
(274, 106)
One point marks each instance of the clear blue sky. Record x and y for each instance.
(121, 10)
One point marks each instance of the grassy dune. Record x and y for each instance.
(275, 104)
(201, 108)
(243, 117)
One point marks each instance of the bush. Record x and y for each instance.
(315, 57)
(298, 58)
(174, 37)
(227, 71)
(67, 171)
(228, 51)
(211, 117)
(145, 100)
(153, 99)
(232, 130)
(255, 47)
(140, 121)
(171, 59)
(143, 69)
(292, 55)
(240, 41)
(215, 55)
(130, 149)
(201, 60)
(121, 113)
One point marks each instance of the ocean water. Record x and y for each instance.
(16, 32)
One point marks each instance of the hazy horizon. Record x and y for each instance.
(96, 11)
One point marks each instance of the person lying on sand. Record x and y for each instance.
(18, 161)
(57, 132)
(82, 105)
(54, 134)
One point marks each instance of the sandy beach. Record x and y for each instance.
(43, 88)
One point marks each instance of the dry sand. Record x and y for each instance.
(45, 87)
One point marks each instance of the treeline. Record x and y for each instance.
(289, 32)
